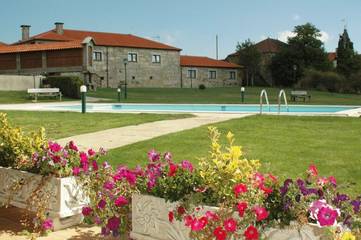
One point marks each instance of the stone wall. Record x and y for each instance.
(18, 83)
(143, 73)
(203, 77)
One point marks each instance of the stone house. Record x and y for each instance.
(101, 59)
(268, 48)
(197, 70)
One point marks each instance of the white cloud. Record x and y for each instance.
(296, 17)
(324, 37)
(263, 37)
(283, 36)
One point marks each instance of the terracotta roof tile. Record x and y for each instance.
(331, 56)
(104, 39)
(197, 61)
(270, 45)
(2, 44)
(40, 47)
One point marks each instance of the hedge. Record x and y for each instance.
(68, 85)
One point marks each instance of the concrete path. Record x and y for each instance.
(118, 137)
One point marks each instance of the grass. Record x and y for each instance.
(7, 97)
(66, 124)
(286, 145)
(218, 95)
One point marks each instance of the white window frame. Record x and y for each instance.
(230, 75)
(94, 56)
(130, 57)
(210, 74)
(154, 58)
(189, 73)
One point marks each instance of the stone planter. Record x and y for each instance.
(150, 222)
(66, 198)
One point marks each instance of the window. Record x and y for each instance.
(97, 56)
(232, 75)
(212, 74)
(132, 57)
(155, 58)
(192, 73)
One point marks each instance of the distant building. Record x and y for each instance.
(268, 48)
(97, 57)
(210, 72)
(332, 57)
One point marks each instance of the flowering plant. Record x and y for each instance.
(316, 199)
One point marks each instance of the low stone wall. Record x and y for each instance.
(18, 83)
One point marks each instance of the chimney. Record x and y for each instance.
(25, 32)
(59, 28)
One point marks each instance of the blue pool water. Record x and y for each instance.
(209, 108)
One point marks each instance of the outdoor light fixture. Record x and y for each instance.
(125, 61)
(119, 90)
(83, 98)
(242, 94)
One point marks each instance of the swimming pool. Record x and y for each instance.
(225, 108)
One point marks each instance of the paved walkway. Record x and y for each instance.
(118, 137)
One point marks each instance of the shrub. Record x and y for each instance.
(201, 87)
(17, 148)
(68, 85)
(355, 83)
(323, 81)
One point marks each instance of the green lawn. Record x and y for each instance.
(66, 124)
(217, 95)
(285, 145)
(22, 97)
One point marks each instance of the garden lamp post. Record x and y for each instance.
(119, 93)
(125, 61)
(242, 94)
(83, 98)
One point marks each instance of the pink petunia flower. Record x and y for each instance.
(312, 170)
(86, 211)
(327, 216)
(241, 207)
(172, 170)
(54, 147)
(187, 165)
(212, 216)
(101, 204)
(240, 188)
(199, 224)
(121, 201)
(153, 156)
(230, 225)
(76, 171)
(167, 156)
(113, 223)
(315, 207)
(170, 216)
(91, 152)
(47, 224)
(109, 185)
(261, 213)
(220, 233)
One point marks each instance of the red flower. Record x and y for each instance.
(272, 177)
(261, 213)
(172, 170)
(312, 170)
(265, 189)
(120, 201)
(251, 233)
(188, 220)
(212, 216)
(241, 207)
(220, 233)
(181, 210)
(171, 216)
(199, 224)
(230, 225)
(240, 188)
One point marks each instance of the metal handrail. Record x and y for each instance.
(282, 93)
(263, 93)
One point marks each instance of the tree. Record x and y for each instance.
(304, 50)
(250, 57)
(347, 60)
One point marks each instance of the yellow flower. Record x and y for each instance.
(348, 236)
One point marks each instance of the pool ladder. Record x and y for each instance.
(263, 94)
(280, 94)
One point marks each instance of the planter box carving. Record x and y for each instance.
(150, 222)
(66, 199)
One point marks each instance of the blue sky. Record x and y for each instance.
(188, 24)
